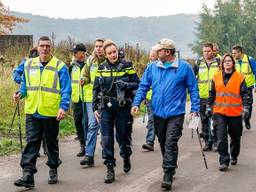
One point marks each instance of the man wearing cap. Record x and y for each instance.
(169, 78)
(77, 97)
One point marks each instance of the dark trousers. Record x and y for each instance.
(208, 135)
(35, 129)
(228, 125)
(81, 121)
(122, 120)
(169, 132)
(250, 94)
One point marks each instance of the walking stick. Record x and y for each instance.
(200, 143)
(193, 124)
(13, 117)
(19, 124)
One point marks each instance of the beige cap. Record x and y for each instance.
(164, 44)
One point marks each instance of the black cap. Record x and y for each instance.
(79, 47)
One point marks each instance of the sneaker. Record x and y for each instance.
(167, 181)
(223, 167)
(207, 147)
(27, 180)
(53, 176)
(88, 161)
(127, 165)
(248, 125)
(233, 161)
(110, 177)
(148, 147)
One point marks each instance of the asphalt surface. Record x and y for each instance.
(146, 173)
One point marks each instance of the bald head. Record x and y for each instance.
(152, 55)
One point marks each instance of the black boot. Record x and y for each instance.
(81, 153)
(149, 147)
(27, 180)
(167, 180)
(88, 161)
(127, 165)
(53, 176)
(207, 147)
(110, 177)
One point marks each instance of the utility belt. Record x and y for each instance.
(108, 101)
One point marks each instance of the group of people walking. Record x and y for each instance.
(106, 92)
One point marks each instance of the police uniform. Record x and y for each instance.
(113, 92)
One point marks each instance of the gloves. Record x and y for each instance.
(245, 113)
(208, 112)
(122, 85)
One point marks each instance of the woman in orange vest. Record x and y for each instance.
(230, 102)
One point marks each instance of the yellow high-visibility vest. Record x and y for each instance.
(246, 70)
(205, 76)
(93, 66)
(76, 87)
(43, 89)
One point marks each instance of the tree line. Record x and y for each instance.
(229, 23)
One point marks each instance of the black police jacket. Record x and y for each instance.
(109, 76)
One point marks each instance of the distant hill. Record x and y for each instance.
(143, 30)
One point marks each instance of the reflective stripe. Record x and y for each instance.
(221, 94)
(75, 81)
(28, 69)
(108, 74)
(50, 90)
(56, 75)
(32, 88)
(227, 104)
(202, 81)
(51, 68)
(131, 71)
(32, 67)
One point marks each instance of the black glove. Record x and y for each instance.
(208, 112)
(122, 85)
(246, 112)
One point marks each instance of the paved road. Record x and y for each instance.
(146, 173)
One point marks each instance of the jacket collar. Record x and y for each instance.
(174, 65)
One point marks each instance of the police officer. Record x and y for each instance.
(113, 91)
(204, 69)
(46, 88)
(89, 72)
(77, 97)
(229, 99)
(247, 66)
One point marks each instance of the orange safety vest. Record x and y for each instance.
(228, 100)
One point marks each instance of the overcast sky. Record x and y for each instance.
(105, 8)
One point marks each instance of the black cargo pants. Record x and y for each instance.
(35, 129)
(169, 131)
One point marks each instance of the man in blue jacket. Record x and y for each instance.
(169, 78)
